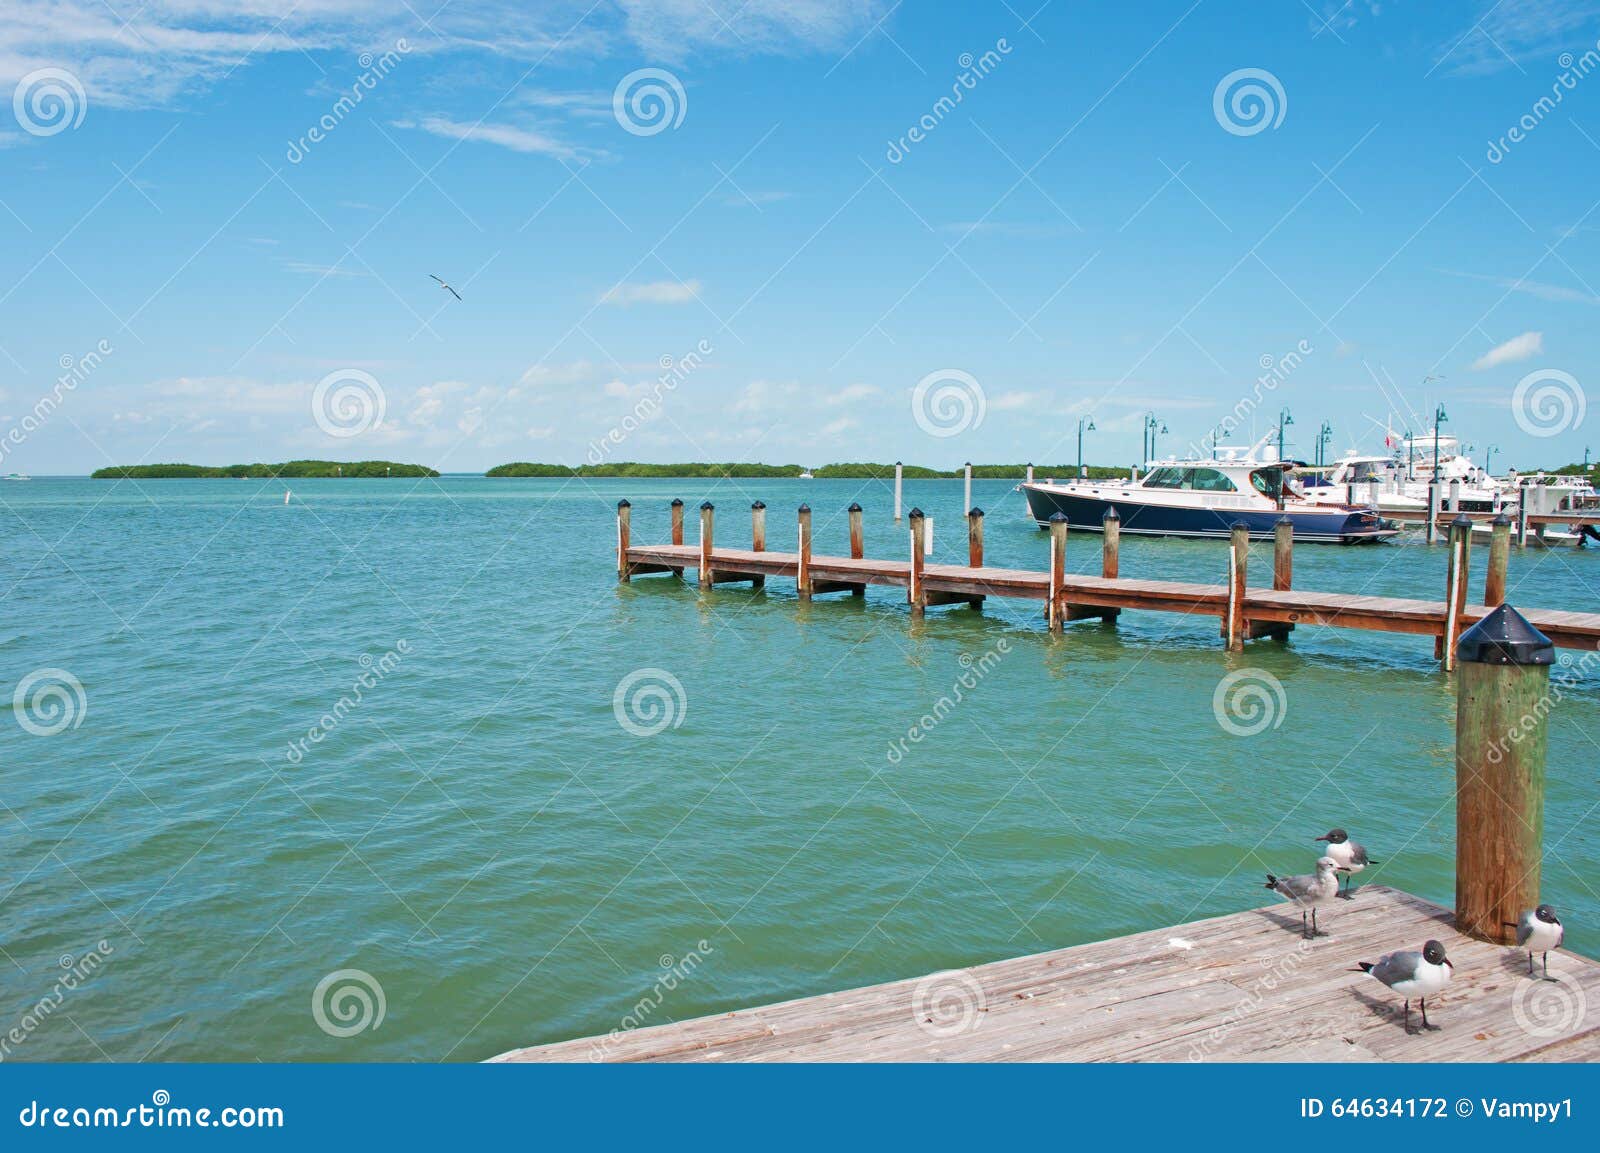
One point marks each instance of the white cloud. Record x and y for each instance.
(1536, 288)
(652, 292)
(1513, 350)
(851, 393)
(530, 140)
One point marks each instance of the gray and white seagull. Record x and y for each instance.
(1351, 857)
(446, 287)
(1411, 974)
(1309, 891)
(1538, 931)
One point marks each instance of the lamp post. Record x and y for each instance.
(1488, 459)
(1284, 420)
(1438, 418)
(1148, 436)
(1084, 424)
(1324, 438)
(1154, 425)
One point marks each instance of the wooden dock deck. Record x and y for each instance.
(1242, 987)
(1244, 611)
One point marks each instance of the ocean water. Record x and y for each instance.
(347, 779)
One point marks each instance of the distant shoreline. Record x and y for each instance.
(293, 469)
(735, 471)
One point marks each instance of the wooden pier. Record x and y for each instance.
(1244, 611)
(1243, 987)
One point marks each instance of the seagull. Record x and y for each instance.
(1309, 891)
(1351, 857)
(1538, 931)
(1419, 975)
(446, 287)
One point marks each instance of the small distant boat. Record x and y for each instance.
(286, 495)
(16, 476)
(1206, 498)
(807, 475)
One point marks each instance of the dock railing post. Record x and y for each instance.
(624, 538)
(677, 528)
(857, 540)
(1457, 567)
(899, 480)
(1455, 495)
(1233, 625)
(803, 569)
(1522, 516)
(1432, 533)
(1054, 610)
(1030, 472)
(966, 495)
(1283, 554)
(916, 595)
(758, 538)
(707, 524)
(1494, 585)
(1502, 706)
(1110, 543)
(1374, 484)
(975, 538)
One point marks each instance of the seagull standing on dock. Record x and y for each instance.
(446, 287)
(1309, 891)
(1538, 931)
(1351, 857)
(1418, 975)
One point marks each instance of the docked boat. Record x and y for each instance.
(1206, 498)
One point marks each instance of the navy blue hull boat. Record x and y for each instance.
(1205, 498)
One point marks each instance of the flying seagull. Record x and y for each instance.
(446, 287)
(1419, 975)
(1309, 891)
(1351, 857)
(1538, 931)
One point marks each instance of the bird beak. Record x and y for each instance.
(1319, 838)
(1451, 963)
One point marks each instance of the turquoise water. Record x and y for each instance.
(482, 838)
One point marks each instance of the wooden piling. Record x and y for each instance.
(803, 571)
(758, 538)
(1234, 625)
(975, 538)
(1494, 586)
(1457, 568)
(1433, 511)
(1030, 472)
(1455, 495)
(1110, 543)
(1374, 484)
(1522, 516)
(916, 595)
(966, 494)
(677, 528)
(1502, 706)
(1283, 554)
(857, 542)
(1054, 609)
(899, 481)
(707, 524)
(624, 538)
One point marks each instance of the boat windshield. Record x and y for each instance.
(1267, 481)
(1198, 479)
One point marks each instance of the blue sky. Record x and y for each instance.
(1093, 228)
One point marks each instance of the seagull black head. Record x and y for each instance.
(1433, 953)
(1547, 914)
(1336, 837)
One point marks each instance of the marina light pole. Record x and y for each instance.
(1152, 425)
(1284, 420)
(1438, 418)
(1084, 424)
(1324, 438)
(1488, 459)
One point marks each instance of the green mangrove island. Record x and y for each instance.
(826, 472)
(292, 468)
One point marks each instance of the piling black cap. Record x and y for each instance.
(1241, 524)
(677, 502)
(805, 508)
(1462, 521)
(853, 507)
(1501, 518)
(1111, 514)
(976, 511)
(915, 514)
(1058, 518)
(1286, 520)
(624, 503)
(1505, 637)
(707, 506)
(758, 504)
